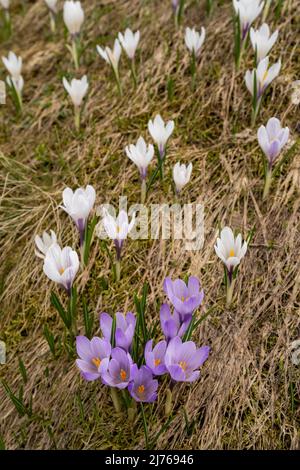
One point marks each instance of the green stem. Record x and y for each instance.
(52, 22)
(115, 399)
(117, 77)
(268, 182)
(193, 70)
(229, 294)
(75, 53)
(266, 10)
(168, 404)
(145, 426)
(118, 270)
(133, 72)
(143, 191)
(77, 118)
(255, 111)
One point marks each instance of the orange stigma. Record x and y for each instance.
(183, 365)
(231, 253)
(157, 362)
(141, 389)
(96, 361)
(123, 375)
(61, 271)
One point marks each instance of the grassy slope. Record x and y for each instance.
(249, 394)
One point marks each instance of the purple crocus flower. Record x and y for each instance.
(125, 326)
(144, 387)
(184, 359)
(171, 324)
(121, 369)
(185, 298)
(155, 357)
(94, 356)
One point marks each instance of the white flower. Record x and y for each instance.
(44, 243)
(112, 57)
(61, 265)
(295, 350)
(182, 175)
(13, 64)
(119, 228)
(160, 132)
(17, 83)
(261, 40)
(229, 249)
(295, 96)
(272, 139)
(129, 42)
(141, 155)
(5, 4)
(194, 40)
(264, 76)
(73, 16)
(78, 204)
(77, 89)
(52, 5)
(248, 11)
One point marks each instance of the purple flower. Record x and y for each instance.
(144, 387)
(185, 298)
(155, 358)
(94, 356)
(171, 325)
(125, 326)
(272, 139)
(120, 369)
(183, 359)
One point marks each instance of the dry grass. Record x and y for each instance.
(249, 393)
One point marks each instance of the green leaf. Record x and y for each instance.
(89, 232)
(61, 311)
(50, 339)
(19, 405)
(23, 370)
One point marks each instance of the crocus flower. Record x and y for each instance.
(118, 229)
(173, 324)
(120, 371)
(183, 360)
(181, 175)
(155, 357)
(160, 133)
(144, 387)
(5, 4)
(185, 298)
(73, 16)
(61, 266)
(175, 4)
(13, 65)
(77, 90)
(129, 41)
(141, 155)
(78, 204)
(272, 139)
(262, 41)
(94, 356)
(18, 85)
(52, 5)
(263, 76)
(247, 11)
(194, 40)
(230, 249)
(44, 243)
(125, 326)
(112, 57)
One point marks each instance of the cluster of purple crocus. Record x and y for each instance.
(174, 356)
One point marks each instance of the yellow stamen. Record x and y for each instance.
(182, 299)
(183, 365)
(96, 361)
(231, 254)
(61, 271)
(265, 76)
(141, 389)
(118, 229)
(123, 374)
(157, 362)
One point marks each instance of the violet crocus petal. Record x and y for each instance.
(83, 348)
(170, 329)
(165, 312)
(131, 319)
(176, 373)
(193, 286)
(184, 326)
(180, 289)
(172, 349)
(85, 366)
(100, 347)
(133, 371)
(199, 357)
(104, 365)
(106, 325)
(274, 150)
(90, 377)
(193, 376)
(122, 340)
(168, 286)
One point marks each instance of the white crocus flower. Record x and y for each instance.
(77, 90)
(44, 242)
(73, 16)
(52, 5)
(13, 64)
(112, 57)
(141, 155)
(262, 41)
(272, 139)
(264, 76)
(17, 84)
(78, 204)
(160, 133)
(61, 266)
(5, 4)
(129, 42)
(248, 11)
(230, 249)
(194, 40)
(181, 175)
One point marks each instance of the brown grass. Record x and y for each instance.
(248, 396)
